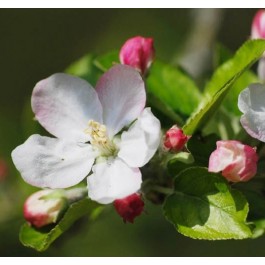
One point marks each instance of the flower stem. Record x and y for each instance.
(163, 190)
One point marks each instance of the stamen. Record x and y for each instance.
(99, 138)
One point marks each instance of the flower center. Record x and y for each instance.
(100, 139)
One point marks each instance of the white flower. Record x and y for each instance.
(251, 102)
(86, 122)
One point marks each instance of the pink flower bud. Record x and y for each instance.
(175, 139)
(44, 207)
(258, 25)
(138, 52)
(238, 162)
(129, 207)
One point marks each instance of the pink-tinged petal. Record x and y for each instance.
(138, 52)
(251, 159)
(251, 102)
(236, 161)
(122, 94)
(258, 25)
(220, 159)
(112, 180)
(64, 104)
(231, 172)
(140, 142)
(41, 210)
(53, 163)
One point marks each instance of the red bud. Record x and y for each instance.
(129, 207)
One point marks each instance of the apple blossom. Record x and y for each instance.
(175, 139)
(43, 207)
(138, 52)
(105, 129)
(251, 103)
(236, 161)
(129, 207)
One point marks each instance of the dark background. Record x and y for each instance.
(35, 43)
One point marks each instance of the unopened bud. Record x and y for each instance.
(175, 139)
(258, 32)
(45, 207)
(258, 25)
(236, 161)
(129, 207)
(138, 52)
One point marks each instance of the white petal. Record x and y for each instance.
(122, 94)
(64, 104)
(53, 163)
(141, 141)
(113, 180)
(251, 102)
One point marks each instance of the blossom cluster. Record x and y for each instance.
(104, 135)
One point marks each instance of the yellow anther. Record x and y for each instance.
(99, 137)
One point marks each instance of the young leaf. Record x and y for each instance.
(221, 82)
(106, 61)
(230, 101)
(159, 106)
(41, 239)
(254, 192)
(173, 87)
(259, 228)
(86, 69)
(200, 148)
(222, 54)
(205, 207)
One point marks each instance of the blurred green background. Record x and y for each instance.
(36, 43)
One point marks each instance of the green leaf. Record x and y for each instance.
(259, 229)
(256, 205)
(200, 148)
(157, 104)
(230, 101)
(205, 207)
(173, 87)
(179, 162)
(223, 123)
(106, 61)
(247, 54)
(223, 54)
(254, 192)
(85, 68)
(221, 82)
(41, 239)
